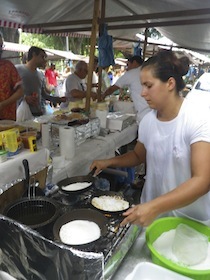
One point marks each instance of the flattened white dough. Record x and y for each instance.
(79, 232)
(77, 186)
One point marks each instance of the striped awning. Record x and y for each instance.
(10, 24)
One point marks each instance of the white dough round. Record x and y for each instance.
(77, 186)
(110, 203)
(79, 232)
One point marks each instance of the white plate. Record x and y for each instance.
(150, 271)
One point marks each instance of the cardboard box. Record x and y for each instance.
(118, 121)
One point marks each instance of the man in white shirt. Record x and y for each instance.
(131, 79)
(76, 86)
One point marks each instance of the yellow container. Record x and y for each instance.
(32, 143)
(11, 141)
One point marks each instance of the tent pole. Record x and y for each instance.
(92, 51)
(102, 16)
(67, 43)
(145, 42)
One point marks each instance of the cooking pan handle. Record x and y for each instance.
(115, 172)
(27, 175)
(92, 172)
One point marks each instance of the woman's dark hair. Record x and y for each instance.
(35, 50)
(165, 64)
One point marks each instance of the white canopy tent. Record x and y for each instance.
(187, 23)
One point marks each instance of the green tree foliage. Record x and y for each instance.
(43, 41)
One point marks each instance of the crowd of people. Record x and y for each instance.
(173, 134)
(37, 85)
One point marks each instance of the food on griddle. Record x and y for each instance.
(76, 186)
(79, 232)
(110, 203)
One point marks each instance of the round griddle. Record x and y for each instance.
(76, 179)
(112, 194)
(81, 214)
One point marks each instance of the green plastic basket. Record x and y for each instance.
(165, 224)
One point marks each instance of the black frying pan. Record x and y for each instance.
(111, 193)
(81, 214)
(77, 179)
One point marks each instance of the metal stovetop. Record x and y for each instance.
(117, 241)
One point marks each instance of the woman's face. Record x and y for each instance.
(154, 91)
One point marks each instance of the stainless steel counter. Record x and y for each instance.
(138, 253)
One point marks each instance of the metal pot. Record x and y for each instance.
(81, 214)
(77, 179)
(35, 212)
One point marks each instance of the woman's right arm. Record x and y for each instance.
(129, 159)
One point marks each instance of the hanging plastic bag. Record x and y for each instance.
(48, 109)
(137, 50)
(23, 112)
(105, 47)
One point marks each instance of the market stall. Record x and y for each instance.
(95, 262)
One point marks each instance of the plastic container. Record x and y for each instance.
(11, 141)
(165, 224)
(25, 138)
(150, 271)
(32, 143)
(3, 156)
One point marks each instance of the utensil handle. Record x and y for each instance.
(115, 172)
(27, 175)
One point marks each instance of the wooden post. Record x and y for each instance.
(94, 31)
(145, 43)
(102, 16)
